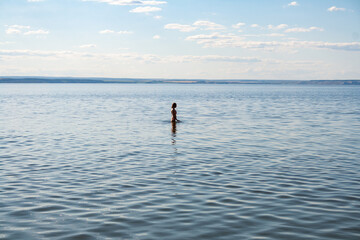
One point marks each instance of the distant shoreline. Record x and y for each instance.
(172, 81)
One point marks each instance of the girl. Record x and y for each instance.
(173, 113)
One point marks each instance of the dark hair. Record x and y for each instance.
(173, 105)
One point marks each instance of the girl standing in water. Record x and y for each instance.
(173, 113)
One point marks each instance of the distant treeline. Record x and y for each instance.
(173, 81)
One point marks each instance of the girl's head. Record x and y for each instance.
(173, 105)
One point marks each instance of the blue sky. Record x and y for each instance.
(208, 39)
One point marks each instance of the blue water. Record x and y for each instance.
(97, 161)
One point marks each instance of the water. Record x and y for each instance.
(82, 161)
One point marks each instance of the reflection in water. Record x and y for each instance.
(173, 132)
(173, 142)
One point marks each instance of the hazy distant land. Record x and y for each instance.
(174, 81)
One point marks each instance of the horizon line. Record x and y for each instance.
(166, 79)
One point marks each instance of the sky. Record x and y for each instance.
(181, 39)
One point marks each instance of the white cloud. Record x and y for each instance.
(352, 46)
(88, 46)
(217, 40)
(265, 35)
(207, 25)
(37, 32)
(106, 31)
(13, 31)
(293, 4)
(145, 9)
(180, 27)
(145, 6)
(217, 58)
(130, 56)
(22, 53)
(73, 63)
(19, 27)
(25, 30)
(254, 25)
(127, 2)
(278, 27)
(16, 29)
(158, 17)
(238, 25)
(304, 29)
(201, 24)
(333, 9)
(156, 37)
(125, 32)
(274, 35)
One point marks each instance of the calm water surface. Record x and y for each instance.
(82, 161)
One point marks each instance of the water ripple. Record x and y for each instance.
(247, 162)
